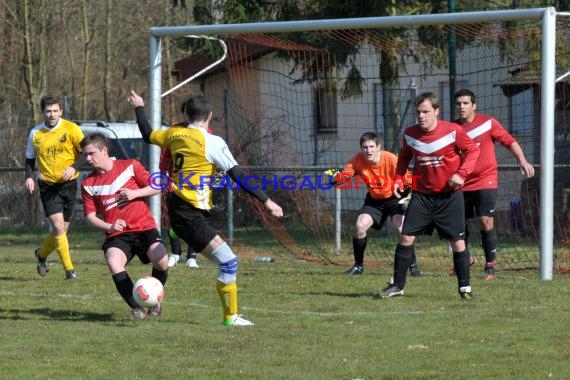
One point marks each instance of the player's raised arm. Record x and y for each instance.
(137, 102)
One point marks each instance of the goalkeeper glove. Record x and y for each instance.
(331, 172)
(405, 201)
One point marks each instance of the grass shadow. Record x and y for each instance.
(61, 315)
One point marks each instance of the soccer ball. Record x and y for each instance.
(148, 291)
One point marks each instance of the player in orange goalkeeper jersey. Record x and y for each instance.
(375, 168)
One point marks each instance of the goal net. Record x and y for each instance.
(293, 103)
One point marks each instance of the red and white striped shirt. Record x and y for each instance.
(100, 193)
(437, 154)
(485, 131)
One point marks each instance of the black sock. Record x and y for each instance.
(190, 254)
(124, 286)
(414, 263)
(489, 243)
(175, 245)
(160, 275)
(359, 245)
(462, 268)
(402, 261)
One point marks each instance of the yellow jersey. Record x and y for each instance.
(195, 156)
(54, 149)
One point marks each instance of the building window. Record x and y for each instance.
(326, 110)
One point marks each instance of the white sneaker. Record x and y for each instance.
(237, 320)
(173, 260)
(191, 263)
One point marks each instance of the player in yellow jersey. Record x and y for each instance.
(196, 154)
(54, 145)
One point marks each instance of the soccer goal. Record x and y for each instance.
(296, 97)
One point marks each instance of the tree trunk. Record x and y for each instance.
(87, 36)
(107, 77)
(32, 92)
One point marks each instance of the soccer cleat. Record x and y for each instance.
(489, 274)
(155, 311)
(70, 275)
(237, 320)
(391, 291)
(472, 262)
(191, 263)
(42, 266)
(466, 293)
(173, 260)
(415, 271)
(355, 270)
(136, 313)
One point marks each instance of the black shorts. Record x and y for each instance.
(480, 203)
(134, 244)
(190, 223)
(380, 210)
(58, 197)
(443, 211)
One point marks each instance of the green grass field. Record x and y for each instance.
(310, 323)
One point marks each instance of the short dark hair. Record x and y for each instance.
(197, 108)
(369, 136)
(433, 98)
(49, 100)
(97, 139)
(465, 92)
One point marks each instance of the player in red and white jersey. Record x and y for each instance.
(480, 188)
(444, 156)
(114, 202)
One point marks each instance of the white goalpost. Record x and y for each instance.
(546, 16)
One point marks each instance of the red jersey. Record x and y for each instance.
(485, 131)
(437, 155)
(100, 191)
(165, 165)
(379, 177)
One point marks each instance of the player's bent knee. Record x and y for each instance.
(157, 252)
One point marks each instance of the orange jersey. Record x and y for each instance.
(378, 178)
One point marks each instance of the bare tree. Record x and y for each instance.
(109, 115)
